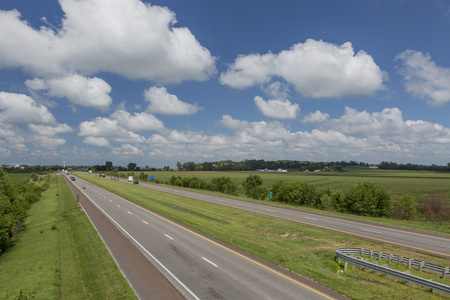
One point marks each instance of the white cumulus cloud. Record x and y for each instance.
(388, 122)
(316, 117)
(49, 130)
(97, 141)
(315, 68)
(424, 79)
(108, 129)
(126, 37)
(281, 109)
(89, 92)
(139, 122)
(41, 128)
(21, 109)
(162, 102)
(127, 149)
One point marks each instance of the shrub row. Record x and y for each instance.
(16, 198)
(365, 198)
(218, 184)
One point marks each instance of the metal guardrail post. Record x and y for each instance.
(421, 263)
(431, 284)
(390, 257)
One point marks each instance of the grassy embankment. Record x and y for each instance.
(305, 250)
(60, 255)
(418, 184)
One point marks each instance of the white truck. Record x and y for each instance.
(130, 179)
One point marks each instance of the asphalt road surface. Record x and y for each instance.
(197, 266)
(438, 244)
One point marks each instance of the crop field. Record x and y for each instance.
(14, 176)
(417, 184)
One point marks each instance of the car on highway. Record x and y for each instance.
(72, 178)
(135, 182)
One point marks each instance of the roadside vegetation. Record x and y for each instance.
(420, 199)
(305, 250)
(16, 197)
(59, 255)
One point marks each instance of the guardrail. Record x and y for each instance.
(342, 254)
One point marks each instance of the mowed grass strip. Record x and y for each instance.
(60, 255)
(400, 184)
(30, 268)
(305, 250)
(91, 273)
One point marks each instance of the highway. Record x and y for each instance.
(198, 267)
(437, 244)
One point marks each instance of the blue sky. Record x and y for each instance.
(84, 82)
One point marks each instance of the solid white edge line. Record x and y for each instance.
(209, 262)
(142, 247)
(370, 230)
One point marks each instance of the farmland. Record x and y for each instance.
(418, 184)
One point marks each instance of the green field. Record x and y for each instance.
(418, 184)
(60, 255)
(14, 176)
(305, 250)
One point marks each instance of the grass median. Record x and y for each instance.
(60, 255)
(305, 250)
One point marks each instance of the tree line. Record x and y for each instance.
(253, 164)
(219, 184)
(16, 197)
(245, 165)
(365, 198)
(384, 165)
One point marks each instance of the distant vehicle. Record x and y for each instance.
(72, 178)
(130, 179)
(90, 172)
(135, 182)
(84, 186)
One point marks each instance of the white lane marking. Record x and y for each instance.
(129, 212)
(110, 201)
(146, 251)
(269, 209)
(118, 205)
(209, 262)
(169, 236)
(144, 222)
(370, 230)
(310, 218)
